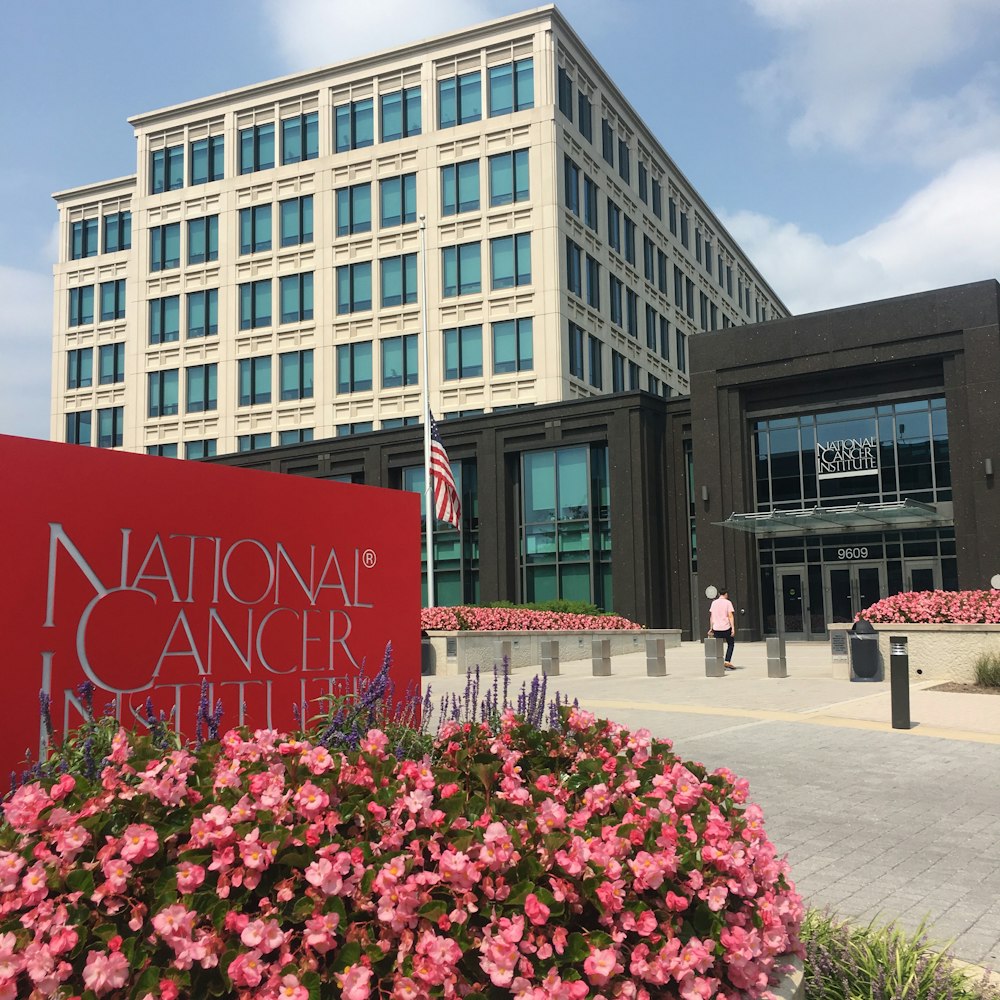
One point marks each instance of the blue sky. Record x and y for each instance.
(852, 147)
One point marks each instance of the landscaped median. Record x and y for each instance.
(464, 638)
(947, 632)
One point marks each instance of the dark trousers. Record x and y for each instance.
(727, 634)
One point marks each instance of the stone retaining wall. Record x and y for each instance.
(941, 652)
(453, 652)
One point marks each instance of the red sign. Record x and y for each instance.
(149, 576)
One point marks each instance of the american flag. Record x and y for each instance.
(447, 504)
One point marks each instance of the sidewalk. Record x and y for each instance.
(877, 822)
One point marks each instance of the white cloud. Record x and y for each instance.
(26, 350)
(850, 73)
(945, 234)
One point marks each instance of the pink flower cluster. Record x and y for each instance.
(517, 619)
(937, 607)
(587, 862)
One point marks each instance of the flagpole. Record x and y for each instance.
(425, 395)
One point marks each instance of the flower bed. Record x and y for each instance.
(935, 607)
(517, 619)
(581, 861)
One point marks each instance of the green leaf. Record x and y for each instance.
(345, 956)
(519, 893)
(303, 910)
(80, 880)
(433, 910)
(577, 949)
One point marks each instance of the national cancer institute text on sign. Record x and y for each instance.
(150, 576)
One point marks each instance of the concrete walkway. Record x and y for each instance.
(877, 823)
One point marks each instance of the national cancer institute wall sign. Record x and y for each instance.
(149, 576)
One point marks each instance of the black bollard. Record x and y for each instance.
(899, 681)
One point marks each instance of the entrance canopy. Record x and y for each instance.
(858, 517)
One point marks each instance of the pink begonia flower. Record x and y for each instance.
(291, 989)
(175, 921)
(105, 972)
(116, 875)
(11, 865)
(535, 910)
(265, 936)
(246, 969)
(189, 876)
(139, 842)
(311, 801)
(375, 742)
(601, 965)
(353, 982)
(717, 897)
(23, 808)
(34, 884)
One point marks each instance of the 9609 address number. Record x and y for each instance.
(861, 552)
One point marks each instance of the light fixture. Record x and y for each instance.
(704, 493)
(988, 467)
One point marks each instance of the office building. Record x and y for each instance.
(257, 281)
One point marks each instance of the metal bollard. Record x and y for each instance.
(601, 657)
(656, 658)
(776, 663)
(899, 681)
(550, 657)
(503, 652)
(715, 657)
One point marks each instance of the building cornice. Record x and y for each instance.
(97, 189)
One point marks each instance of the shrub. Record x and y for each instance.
(571, 862)
(881, 962)
(937, 606)
(507, 619)
(988, 670)
(560, 606)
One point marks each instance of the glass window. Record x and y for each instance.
(255, 229)
(117, 232)
(510, 261)
(590, 202)
(399, 280)
(295, 375)
(657, 192)
(664, 338)
(681, 350)
(354, 125)
(512, 346)
(163, 400)
(460, 188)
(661, 271)
(399, 361)
(81, 306)
(296, 215)
(354, 367)
(255, 304)
(593, 282)
(672, 215)
(509, 180)
(648, 259)
(112, 300)
(165, 319)
(398, 200)
(162, 450)
(608, 141)
(512, 87)
(256, 148)
(461, 269)
(651, 327)
(615, 290)
(300, 138)
(400, 114)
(624, 161)
(208, 159)
(631, 313)
(575, 351)
(80, 368)
(574, 271)
(596, 362)
(203, 313)
(354, 209)
(78, 427)
(203, 239)
(585, 117)
(254, 381)
(614, 226)
(460, 100)
(629, 241)
(643, 182)
(354, 287)
(571, 174)
(617, 372)
(166, 169)
(165, 247)
(463, 352)
(564, 90)
(300, 435)
(200, 449)
(83, 239)
(202, 388)
(110, 426)
(111, 363)
(295, 292)
(253, 442)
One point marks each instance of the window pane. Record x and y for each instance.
(392, 116)
(504, 347)
(502, 89)
(364, 123)
(470, 98)
(447, 103)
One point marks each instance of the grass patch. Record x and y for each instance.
(883, 962)
(988, 670)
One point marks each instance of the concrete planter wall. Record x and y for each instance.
(454, 652)
(942, 652)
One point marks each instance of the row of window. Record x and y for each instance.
(110, 427)
(84, 235)
(112, 303)
(110, 366)
(587, 347)
(510, 88)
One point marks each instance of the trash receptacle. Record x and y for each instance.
(426, 655)
(865, 662)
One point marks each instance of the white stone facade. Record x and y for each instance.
(114, 403)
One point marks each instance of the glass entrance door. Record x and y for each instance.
(922, 574)
(793, 622)
(853, 588)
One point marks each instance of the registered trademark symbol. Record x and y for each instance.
(368, 558)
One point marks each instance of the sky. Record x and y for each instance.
(851, 147)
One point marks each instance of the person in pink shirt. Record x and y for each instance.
(722, 623)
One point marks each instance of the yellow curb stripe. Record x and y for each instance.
(809, 718)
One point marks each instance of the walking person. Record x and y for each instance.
(722, 623)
